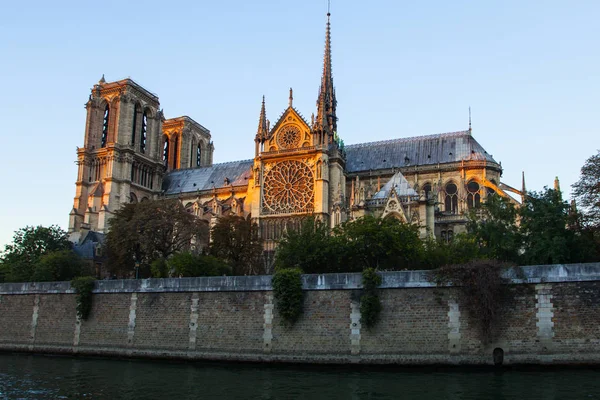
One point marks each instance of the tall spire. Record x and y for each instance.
(261, 133)
(326, 120)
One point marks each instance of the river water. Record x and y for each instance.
(43, 377)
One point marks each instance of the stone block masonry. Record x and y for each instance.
(553, 317)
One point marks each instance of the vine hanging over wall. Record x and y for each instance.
(370, 305)
(484, 291)
(83, 286)
(288, 294)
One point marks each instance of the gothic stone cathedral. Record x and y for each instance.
(132, 153)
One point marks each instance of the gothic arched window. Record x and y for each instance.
(473, 196)
(136, 110)
(166, 151)
(198, 155)
(427, 190)
(105, 126)
(451, 198)
(175, 149)
(143, 137)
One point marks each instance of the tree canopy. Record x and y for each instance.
(587, 191)
(150, 230)
(235, 240)
(39, 253)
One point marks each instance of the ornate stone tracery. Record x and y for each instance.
(289, 137)
(288, 188)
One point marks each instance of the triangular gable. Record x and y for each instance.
(284, 118)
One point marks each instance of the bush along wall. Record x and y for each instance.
(83, 287)
(370, 305)
(288, 294)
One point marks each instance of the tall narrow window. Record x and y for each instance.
(136, 110)
(144, 131)
(192, 151)
(105, 126)
(198, 155)
(427, 190)
(175, 151)
(473, 196)
(166, 152)
(451, 198)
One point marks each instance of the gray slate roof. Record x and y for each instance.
(403, 152)
(205, 178)
(399, 183)
(418, 150)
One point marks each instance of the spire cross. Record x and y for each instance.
(291, 97)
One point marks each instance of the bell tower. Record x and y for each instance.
(121, 159)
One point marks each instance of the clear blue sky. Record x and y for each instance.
(530, 70)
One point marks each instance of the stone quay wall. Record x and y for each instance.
(553, 318)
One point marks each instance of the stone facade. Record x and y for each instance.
(551, 317)
(300, 167)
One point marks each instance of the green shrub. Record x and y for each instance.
(188, 264)
(62, 265)
(370, 305)
(83, 287)
(159, 268)
(288, 294)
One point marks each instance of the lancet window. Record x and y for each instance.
(175, 148)
(473, 196)
(166, 151)
(451, 198)
(105, 126)
(136, 110)
(143, 136)
(198, 155)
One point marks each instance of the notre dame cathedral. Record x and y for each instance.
(132, 153)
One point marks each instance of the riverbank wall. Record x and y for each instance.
(553, 317)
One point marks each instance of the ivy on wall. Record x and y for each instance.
(288, 294)
(83, 286)
(370, 305)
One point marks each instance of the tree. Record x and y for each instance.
(235, 240)
(494, 228)
(380, 243)
(587, 191)
(187, 264)
(544, 220)
(62, 265)
(311, 248)
(20, 258)
(146, 231)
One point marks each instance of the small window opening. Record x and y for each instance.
(143, 136)
(105, 126)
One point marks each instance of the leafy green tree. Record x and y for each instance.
(544, 220)
(494, 228)
(235, 240)
(311, 248)
(150, 230)
(62, 265)
(188, 264)
(380, 243)
(587, 191)
(20, 258)
(463, 249)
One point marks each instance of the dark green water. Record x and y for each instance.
(40, 377)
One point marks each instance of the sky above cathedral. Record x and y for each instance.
(528, 69)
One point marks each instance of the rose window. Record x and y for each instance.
(288, 187)
(289, 137)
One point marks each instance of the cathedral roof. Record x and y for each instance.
(205, 178)
(418, 150)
